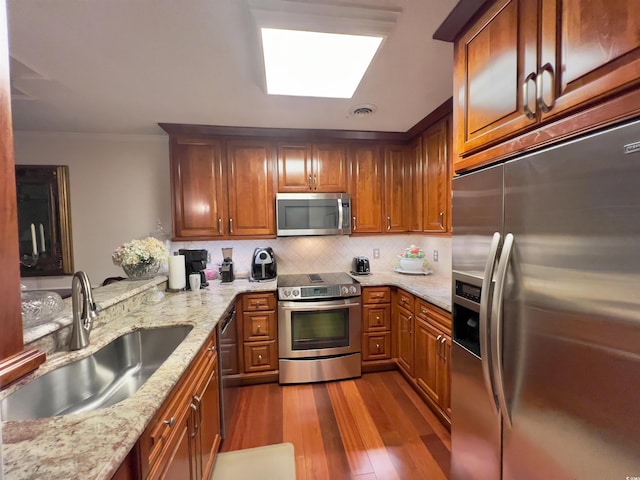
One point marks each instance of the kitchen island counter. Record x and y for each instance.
(92, 445)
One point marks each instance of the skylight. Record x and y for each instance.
(315, 64)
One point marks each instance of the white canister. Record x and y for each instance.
(177, 274)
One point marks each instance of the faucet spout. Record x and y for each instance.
(84, 311)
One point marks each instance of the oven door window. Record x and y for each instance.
(317, 330)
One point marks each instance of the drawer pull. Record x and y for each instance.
(259, 327)
(424, 312)
(170, 423)
(259, 358)
(212, 349)
(378, 347)
(378, 318)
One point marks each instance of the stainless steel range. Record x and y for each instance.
(319, 325)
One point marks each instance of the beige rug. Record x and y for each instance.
(273, 462)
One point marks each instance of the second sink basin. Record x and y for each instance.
(104, 378)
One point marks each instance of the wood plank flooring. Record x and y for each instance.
(371, 428)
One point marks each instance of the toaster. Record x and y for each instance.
(360, 266)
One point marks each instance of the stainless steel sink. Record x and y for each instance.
(104, 378)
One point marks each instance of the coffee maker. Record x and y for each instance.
(195, 261)
(226, 268)
(263, 265)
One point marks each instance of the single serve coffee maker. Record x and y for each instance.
(195, 261)
(226, 268)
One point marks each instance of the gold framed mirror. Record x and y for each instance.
(44, 220)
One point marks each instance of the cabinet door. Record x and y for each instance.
(397, 189)
(491, 63)
(294, 167)
(208, 403)
(437, 177)
(178, 462)
(415, 160)
(198, 188)
(589, 49)
(428, 362)
(405, 325)
(250, 167)
(366, 188)
(329, 168)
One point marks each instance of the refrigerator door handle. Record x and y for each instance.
(485, 318)
(496, 326)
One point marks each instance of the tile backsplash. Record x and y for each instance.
(327, 253)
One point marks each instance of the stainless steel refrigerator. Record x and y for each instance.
(546, 314)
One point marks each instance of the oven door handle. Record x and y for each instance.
(318, 306)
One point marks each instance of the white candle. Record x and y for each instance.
(177, 275)
(42, 246)
(33, 239)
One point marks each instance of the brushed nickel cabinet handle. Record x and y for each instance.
(388, 223)
(442, 220)
(543, 106)
(170, 423)
(230, 225)
(354, 223)
(525, 95)
(310, 186)
(443, 342)
(409, 319)
(220, 225)
(315, 181)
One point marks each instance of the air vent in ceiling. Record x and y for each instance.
(360, 111)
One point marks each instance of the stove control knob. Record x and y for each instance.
(352, 289)
(286, 292)
(296, 292)
(345, 290)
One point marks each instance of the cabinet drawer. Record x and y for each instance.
(377, 346)
(259, 326)
(258, 301)
(434, 315)
(422, 308)
(376, 295)
(376, 318)
(260, 356)
(405, 300)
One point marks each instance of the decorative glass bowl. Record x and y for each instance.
(40, 307)
(141, 271)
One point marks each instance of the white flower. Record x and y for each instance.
(148, 250)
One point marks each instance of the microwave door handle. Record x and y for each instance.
(340, 214)
(496, 327)
(485, 318)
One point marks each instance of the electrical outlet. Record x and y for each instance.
(435, 255)
(208, 257)
(376, 253)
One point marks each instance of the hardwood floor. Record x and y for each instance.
(371, 428)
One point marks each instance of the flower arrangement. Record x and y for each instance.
(412, 259)
(412, 251)
(140, 258)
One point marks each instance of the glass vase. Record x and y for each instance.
(141, 271)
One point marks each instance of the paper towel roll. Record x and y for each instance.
(177, 277)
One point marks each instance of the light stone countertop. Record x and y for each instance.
(435, 288)
(92, 445)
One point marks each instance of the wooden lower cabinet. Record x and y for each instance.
(433, 356)
(182, 440)
(377, 351)
(258, 336)
(405, 330)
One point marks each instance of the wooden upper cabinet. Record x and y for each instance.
(414, 159)
(306, 167)
(526, 62)
(295, 167)
(491, 61)
(436, 144)
(199, 194)
(251, 186)
(588, 50)
(366, 188)
(397, 189)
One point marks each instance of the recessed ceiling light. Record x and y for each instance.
(316, 64)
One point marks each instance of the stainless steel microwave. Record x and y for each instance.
(299, 214)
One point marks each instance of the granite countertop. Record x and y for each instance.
(435, 288)
(92, 445)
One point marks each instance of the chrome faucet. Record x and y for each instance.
(84, 311)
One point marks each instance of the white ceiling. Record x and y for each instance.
(122, 66)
